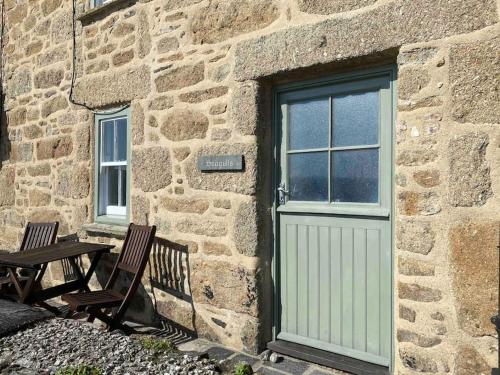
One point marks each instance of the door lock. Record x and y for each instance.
(282, 192)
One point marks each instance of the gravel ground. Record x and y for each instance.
(57, 343)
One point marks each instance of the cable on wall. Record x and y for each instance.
(73, 72)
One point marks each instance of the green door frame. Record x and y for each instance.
(389, 71)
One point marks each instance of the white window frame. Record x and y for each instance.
(105, 213)
(104, 2)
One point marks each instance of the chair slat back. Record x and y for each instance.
(39, 235)
(136, 248)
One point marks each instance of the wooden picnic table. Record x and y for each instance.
(34, 261)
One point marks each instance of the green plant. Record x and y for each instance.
(158, 345)
(243, 368)
(79, 370)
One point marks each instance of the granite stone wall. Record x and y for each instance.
(197, 75)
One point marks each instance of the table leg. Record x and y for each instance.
(23, 292)
(79, 274)
(93, 266)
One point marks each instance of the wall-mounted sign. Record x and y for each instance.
(208, 163)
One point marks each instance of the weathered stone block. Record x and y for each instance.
(144, 38)
(416, 157)
(45, 216)
(48, 6)
(475, 81)
(474, 264)
(222, 20)
(61, 27)
(417, 55)
(151, 168)
(138, 120)
(468, 361)
(411, 80)
(167, 44)
(329, 7)
(140, 210)
(161, 103)
(7, 188)
(417, 361)
(175, 4)
(122, 29)
(237, 182)
(412, 203)
(246, 229)
(469, 181)
(16, 117)
(54, 148)
(245, 107)
(202, 227)
(197, 206)
(414, 267)
(39, 198)
(73, 182)
(405, 335)
(213, 248)
(54, 105)
(407, 313)
(224, 285)
(39, 170)
(428, 178)
(183, 76)
(48, 78)
(183, 124)
(21, 152)
(418, 293)
(203, 95)
(415, 236)
(181, 153)
(123, 57)
(19, 83)
(114, 87)
(338, 39)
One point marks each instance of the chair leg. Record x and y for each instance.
(91, 318)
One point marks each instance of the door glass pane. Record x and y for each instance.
(123, 191)
(355, 119)
(107, 140)
(121, 139)
(112, 185)
(309, 124)
(355, 176)
(308, 176)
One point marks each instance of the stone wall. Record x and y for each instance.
(197, 75)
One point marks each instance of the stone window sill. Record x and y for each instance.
(94, 14)
(106, 229)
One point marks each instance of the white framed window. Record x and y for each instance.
(98, 3)
(112, 166)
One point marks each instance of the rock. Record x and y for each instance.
(417, 361)
(469, 361)
(21, 152)
(144, 43)
(469, 181)
(19, 83)
(151, 168)
(167, 44)
(197, 206)
(181, 153)
(474, 265)
(118, 86)
(46, 216)
(140, 210)
(475, 81)
(48, 78)
(218, 109)
(405, 335)
(61, 27)
(418, 293)
(213, 248)
(184, 124)
(416, 55)
(415, 236)
(183, 76)
(138, 120)
(175, 4)
(161, 103)
(414, 267)
(411, 80)
(246, 233)
(48, 6)
(39, 198)
(123, 29)
(202, 227)
(337, 39)
(412, 203)
(245, 107)
(73, 182)
(123, 57)
(224, 285)
(39, 170)
(7, 178)
(407, 313)
(409, 158)
(237, 182)
(428, 178)
(329, 7)
(54, 148)
(16, 117)
(203, 95)
(222, 20)
(54, 105)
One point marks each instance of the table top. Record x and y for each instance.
(34, 258)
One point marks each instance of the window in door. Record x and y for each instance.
(112, 159)
(333, 148)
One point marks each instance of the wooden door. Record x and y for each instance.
(333, 216)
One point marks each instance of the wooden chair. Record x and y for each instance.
(133, 259)
(35, 235)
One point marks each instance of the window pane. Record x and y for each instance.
(111, 186)
(121, 139)
(123, 191)
(308, 124)
(355, 119)
(308, 176)
(355, 176)
(107, 140)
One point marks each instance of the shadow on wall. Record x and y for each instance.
(5, 145)
(155, 305)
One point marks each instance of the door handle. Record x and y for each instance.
(282, 192)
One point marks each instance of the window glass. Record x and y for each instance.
(355, 176)
(355, 119)
(108, 135)
(308, 177)
(121, 139)
(308, 124)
